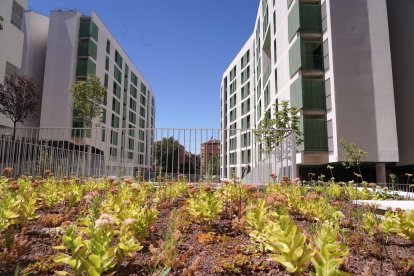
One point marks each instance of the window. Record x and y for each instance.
(10, 69)
(115, 121)
(143, 88)
(118, 59)
(88, 28)
(245, 90)
(132, 117)
(113, 152)
(133, 91)
(142, 111)
(114, 137)
(108, 46)
(131, 144)
(17, 15)
(233, 73)
(117, 90)
(103, 116)
(132, 104)
(106, 81)
(107, 64)
(143, 100)
(116, 106)
(134, 79)
(117, 75)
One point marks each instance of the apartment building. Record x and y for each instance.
(11, 41)
(68, 46)
(210, 152)
(329, 58)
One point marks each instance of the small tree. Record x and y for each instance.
(285, 117)
(88, 96)
(213, 166)
(18, 99)
(351, 155)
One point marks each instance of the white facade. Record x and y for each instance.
(329, 58)
(11, 41)
(67, 47)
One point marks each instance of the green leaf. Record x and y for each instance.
(95, 260)
(92, 272)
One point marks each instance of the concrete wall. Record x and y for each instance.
(363, 89)
(60, 69)
(402, 45)
(36, 29)
(11, 44)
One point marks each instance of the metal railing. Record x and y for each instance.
(154, 154)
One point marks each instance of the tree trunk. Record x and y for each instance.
(14, 131)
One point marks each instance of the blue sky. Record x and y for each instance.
(182, 48)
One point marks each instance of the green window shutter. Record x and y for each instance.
(314, 94)
(310, 18)
(295, 61)
(82, 67)
(87, 28)
(94, 31)
(92, 49)
(315, 132)
(296, 93)
(91, 67)
(294, 20)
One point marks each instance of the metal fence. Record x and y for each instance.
(195, 154)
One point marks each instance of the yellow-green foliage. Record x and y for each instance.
(319, 210)
(288, 245)
(257, 218)
(401, 224)
(330, 254)
(205, 206)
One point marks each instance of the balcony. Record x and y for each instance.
(309, 95)
(306, 19)
(315, 135)
(306, 56)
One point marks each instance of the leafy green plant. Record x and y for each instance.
(329, 254)
(288, 245)
(204, 206)
(352, 156)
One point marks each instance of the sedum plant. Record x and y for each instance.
(204, 206)
(288, 245)
(329, 254)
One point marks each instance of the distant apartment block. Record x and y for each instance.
(210, 152)
(343, 64)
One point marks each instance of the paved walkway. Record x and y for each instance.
(385, 204)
